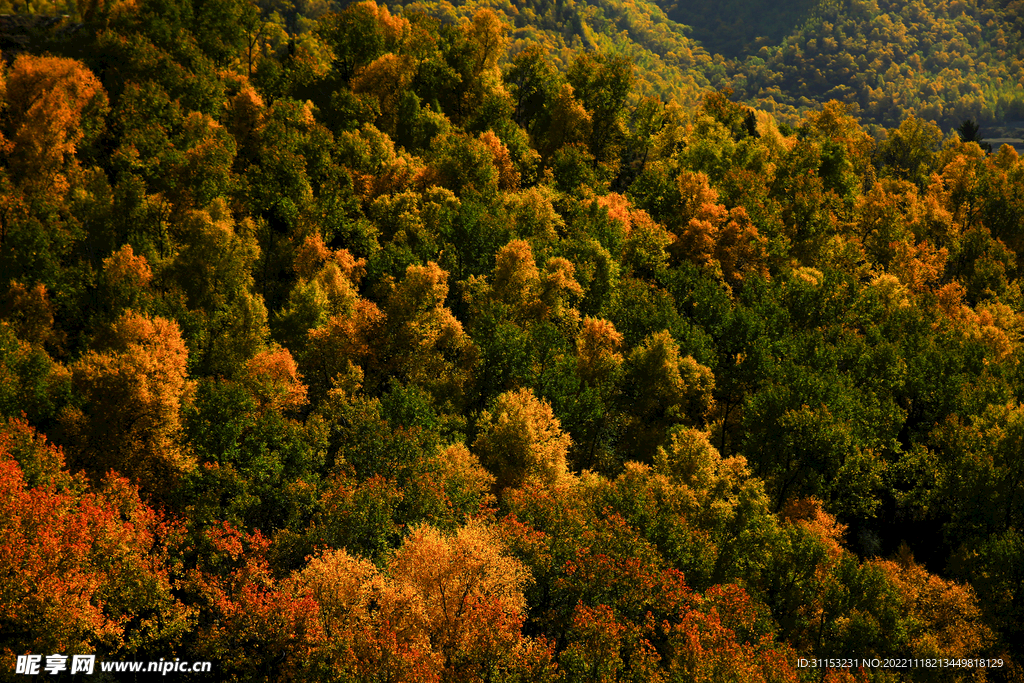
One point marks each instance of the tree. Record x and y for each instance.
(247, 620)
(126, 280)
(464, 165)
(84, 571)
(426, 344)
(213, 271)
(660, 389)
(518, 284)
(366, 625)
(134, 384)
(55, 105)
(946, 614)
(908, 152)
(385, 79)
(531, 81)
(471, 594)
(601, 83)
(447, 607)
(520, 440)
(361, 34)
(968, 132)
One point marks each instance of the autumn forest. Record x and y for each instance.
(514, 341)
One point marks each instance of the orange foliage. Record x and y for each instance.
(244, 115)
(448, 607)
(247, 621)
(49, 100)
(313, 254)
(704, 646)
(522, 441)
(606, 649)
(471, 595)
(918, 266)
(809, 513)
(726, 242)
(994, 324)
(275, 380)
(515, 274)
(394, 27)
(517, 282)
(79, 571)
(124, 268)
(946, 614)
(134, 386)
(508, 176)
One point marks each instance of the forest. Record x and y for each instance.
(445, 343)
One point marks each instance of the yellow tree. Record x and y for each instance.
(471, 594)
(448, 607)
(424, 341)
(597, 351)
(522, 441)
(53, 105)
(518, 283)
(134, 383)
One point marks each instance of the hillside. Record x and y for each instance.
(941, 61)
(373, 344)
(736, 28)
(945, 61)
(668, 64)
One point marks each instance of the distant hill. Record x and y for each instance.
(669, 64)
(943, 60)
(734, 28)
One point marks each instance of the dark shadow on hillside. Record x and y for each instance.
(733, 28)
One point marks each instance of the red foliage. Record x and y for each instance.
(80, 571)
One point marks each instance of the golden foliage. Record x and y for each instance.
(508, 176)
(947, 615)
(515, 276)
(346, 339)
(51, 102)
(274, 379)
(471, 594)
(427, 343)
(597, 350)
(135, 386)
(385, 79)
(725, 242)
(448, 607)
(521, 441)
(124, 269)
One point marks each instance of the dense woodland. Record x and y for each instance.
(370, 344)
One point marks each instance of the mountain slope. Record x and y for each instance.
(943, 60)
